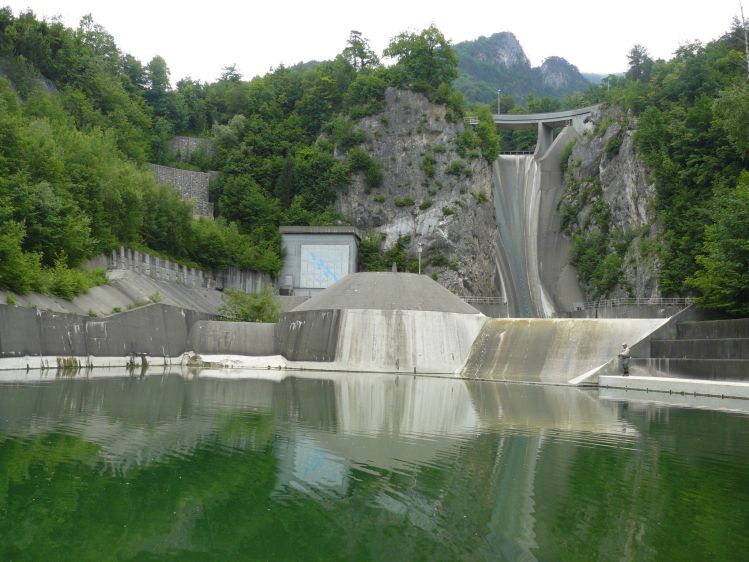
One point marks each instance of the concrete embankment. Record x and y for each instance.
(33, 339)
(558, 351)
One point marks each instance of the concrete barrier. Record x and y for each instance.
(156, 330)
(310, 335)
(233, 338)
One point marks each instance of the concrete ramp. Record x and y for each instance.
(557, 351)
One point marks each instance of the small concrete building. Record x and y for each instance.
(317, 257)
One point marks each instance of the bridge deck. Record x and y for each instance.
(531, 120)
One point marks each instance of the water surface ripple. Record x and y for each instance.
(362, 467)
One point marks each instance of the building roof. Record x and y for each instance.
(387, 291)
(321, 230)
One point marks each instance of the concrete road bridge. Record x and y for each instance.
(545, 122)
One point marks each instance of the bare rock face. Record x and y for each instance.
(606, 167)
(557, 74)
(430, 193)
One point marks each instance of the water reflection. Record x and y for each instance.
(445, 468)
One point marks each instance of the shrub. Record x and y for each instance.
(239, 306)
(456, 168)
(447, 211)
(10, 298)
(480, 196)
(425, 204)
(428, 162)
(380, 198)
(404, 202)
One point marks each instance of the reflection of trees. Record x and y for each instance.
(547, 473)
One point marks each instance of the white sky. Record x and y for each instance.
(197, 39)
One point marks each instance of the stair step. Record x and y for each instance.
(713, 329)
(719, 348)
(708, 369)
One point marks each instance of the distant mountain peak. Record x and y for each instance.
(499, 61)
(503, 49)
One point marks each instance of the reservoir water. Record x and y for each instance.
(282, 466)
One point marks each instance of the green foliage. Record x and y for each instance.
(62, 281)
(489, 140)
(239, 306)
(10, 298)
(722, 277)
(447, 211)
(428, 164)
(564, 157)
(614, 144)
(480, 196)
(370, 256)
(425, 204)
(456, 168)
(425, 60)
(404, 202)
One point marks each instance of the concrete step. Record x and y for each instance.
(709, 369)
(718, 348)
(713, 329)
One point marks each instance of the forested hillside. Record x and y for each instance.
(80, 119)
(690, 117)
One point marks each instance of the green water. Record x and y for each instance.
(362, 467)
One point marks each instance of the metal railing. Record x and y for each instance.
(516, 152)
(471, 120)
(484, 300)
(611, 303)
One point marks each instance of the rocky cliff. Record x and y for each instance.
(433, 193)
(499, 61)
(607, 209)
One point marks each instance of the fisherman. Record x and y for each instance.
(624, 356)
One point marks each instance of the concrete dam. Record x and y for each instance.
(537, 279)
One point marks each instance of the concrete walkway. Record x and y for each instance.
(669, 385)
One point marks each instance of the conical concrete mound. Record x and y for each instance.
(387, 291)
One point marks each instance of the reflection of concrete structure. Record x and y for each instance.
(317, 257)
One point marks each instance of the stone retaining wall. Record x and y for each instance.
(191, 186)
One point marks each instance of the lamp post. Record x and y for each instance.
(419, 249)
(499, 93)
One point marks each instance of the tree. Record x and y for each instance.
(640, 64)
(723, 274)
(358, 52)
(731, 110)
(425, 60)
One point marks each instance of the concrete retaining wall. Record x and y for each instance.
(309, 335)
(233, 338)
(165, 270)
(156, 330)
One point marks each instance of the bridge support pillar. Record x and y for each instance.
(545, 138)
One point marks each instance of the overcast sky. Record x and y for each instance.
(197, 39)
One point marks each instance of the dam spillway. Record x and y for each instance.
(517, 199)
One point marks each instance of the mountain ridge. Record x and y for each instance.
(499, 61)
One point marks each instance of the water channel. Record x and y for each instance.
(282, 466)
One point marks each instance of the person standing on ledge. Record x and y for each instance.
(624, 356)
